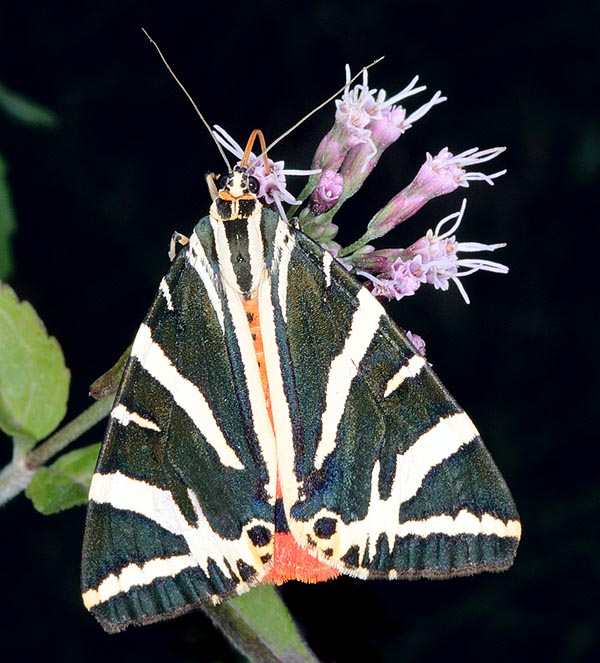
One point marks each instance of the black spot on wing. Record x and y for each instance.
(351, 557)
(259, 535)
(246, 571)
(325, 528)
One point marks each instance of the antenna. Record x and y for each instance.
(318, 108)
(256, 134)
(187, 94)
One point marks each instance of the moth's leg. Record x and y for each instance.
(177, 238)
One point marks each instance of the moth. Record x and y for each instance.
(273, 423)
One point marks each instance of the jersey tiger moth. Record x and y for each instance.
(273, 423)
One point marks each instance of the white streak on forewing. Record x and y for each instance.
(280, 409)
(343, 370)
(283, 254)
(185, 393)
(224, 253)
(258, 403)
(256, 249)
(431, 449)
(198, 260)
(129, 494)
(134, 575)
(124, 416)
(164, 288)
(465, 522)
(327, 260)
(365, 533)
(410, 370)
(436, 445)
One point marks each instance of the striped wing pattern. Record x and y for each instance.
(382, 474)
(390, 476)
(181, 504)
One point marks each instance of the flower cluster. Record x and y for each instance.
(434, 259)
(367, 122)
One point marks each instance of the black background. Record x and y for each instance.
(98, 198)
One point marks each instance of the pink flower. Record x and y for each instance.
(437, 176)
(433, 259)
(327, 192)
(403, 280)
(366, 123)
(439, 254)
(445, 172)
(417, 341)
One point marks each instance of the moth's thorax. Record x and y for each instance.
(235, 216)
(227, 208)
(240, 250)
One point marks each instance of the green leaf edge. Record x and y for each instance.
(259, 625)
(25, 110)
(65, 483)
(12, 427)
(8, 223)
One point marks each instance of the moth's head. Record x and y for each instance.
(235, 195)
(237, 185)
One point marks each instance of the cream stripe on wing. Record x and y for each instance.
(327, 260)
(430, 449)
(256, 394)
(465, 522)
(166, 292)
(284, 245)
(124, 416)
(366, 533)
(344, 368)
(185, 393)
(410, 370)
(224, 253)
(255, 248)
(280, 408)
(198, 260)
(158, 505)
(134, 575)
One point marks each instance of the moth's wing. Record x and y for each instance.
(179, 510)
(383, 474)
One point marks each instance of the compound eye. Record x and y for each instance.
(222, 182)
(253, 184)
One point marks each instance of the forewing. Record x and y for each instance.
(383, 474)
(181, 507)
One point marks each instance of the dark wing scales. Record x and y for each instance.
(393, 478)
(178, 514)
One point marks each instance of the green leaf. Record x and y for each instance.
(260, 626)
(66, 483)
(34, 381)
(8, 224)
(25, 110)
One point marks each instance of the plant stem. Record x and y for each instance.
(355, 246)
(15, 477)
(74, 429)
